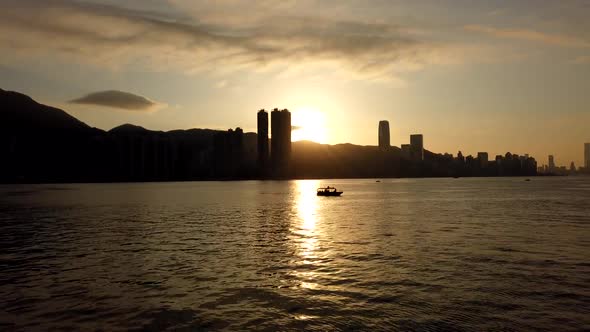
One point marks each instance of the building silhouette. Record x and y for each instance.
(280, 143)
(483, 159)
(551, 163)
(460, 157)
(42, 144)
(228, 152)
(384, 137)
(417, 147)
(587, 156)
(406, 150)
(262, 141)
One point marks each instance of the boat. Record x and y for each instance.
(328, 191)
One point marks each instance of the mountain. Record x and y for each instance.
(129, 129)
(19, 112)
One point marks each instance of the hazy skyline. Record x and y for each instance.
(491, 76)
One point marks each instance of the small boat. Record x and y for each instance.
(328, 191)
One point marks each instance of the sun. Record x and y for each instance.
(309, 124)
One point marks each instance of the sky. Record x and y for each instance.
(469, 75)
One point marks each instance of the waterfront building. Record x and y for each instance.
(280, 143)
(482, 157)
(417, 147)
(384, 137)
(262, 139)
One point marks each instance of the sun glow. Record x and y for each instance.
(309, 124)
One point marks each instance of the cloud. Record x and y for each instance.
(293, 128)
(582, 60)
(116, 37)
(531, 35)
(117, 99)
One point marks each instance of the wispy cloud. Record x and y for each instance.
(118, 99)
(532, 35)
(115, 36)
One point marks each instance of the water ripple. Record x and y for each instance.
(410, 255)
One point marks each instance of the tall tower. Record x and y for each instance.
(384, 138)
(551, 163)
(287, 133)
(280, 143)
(275, 128)
(262, 140)
(417, 146)
(587, 156)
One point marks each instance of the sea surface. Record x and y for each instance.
(468, 254)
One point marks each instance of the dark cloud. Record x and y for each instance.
(117, 99)
(114, 36)
(293, 128)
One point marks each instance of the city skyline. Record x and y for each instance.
(489, 76)
(414, 150)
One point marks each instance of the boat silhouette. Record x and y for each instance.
(328, 191)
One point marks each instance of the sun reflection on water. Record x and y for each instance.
(307, 209)
(307, 204)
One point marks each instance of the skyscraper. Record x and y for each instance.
(482, 157)
(384, 138)
(587, 156)
(280, 143)
(262, 139)
(417, 146)
(551, 163)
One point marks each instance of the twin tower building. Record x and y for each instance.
(414, 150)
(280, 144)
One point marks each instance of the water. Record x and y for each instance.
(424, 254)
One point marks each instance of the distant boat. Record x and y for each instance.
(328, 191)
(378, 181)
(527, 179)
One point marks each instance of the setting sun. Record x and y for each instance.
(309, 124)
